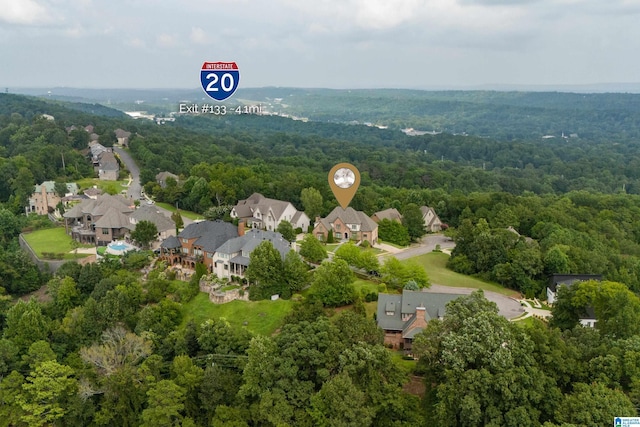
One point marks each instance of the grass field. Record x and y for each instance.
(261, 317)
(111, 187)
(186, 214)
(435, 263)
(53, 240)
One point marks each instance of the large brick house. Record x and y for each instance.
(101, 220)
(347, 224)
(45, 199)
(198, 242)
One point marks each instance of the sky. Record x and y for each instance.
(319, 43)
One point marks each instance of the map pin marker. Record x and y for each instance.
(344, 180)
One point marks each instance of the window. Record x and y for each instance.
(185, 240)
(226, 266)
(337, 227)
(105, 231)
(338, 235)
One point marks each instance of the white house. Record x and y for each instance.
(261, 212)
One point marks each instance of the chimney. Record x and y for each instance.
(241, 228)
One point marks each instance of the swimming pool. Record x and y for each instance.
(119, 247)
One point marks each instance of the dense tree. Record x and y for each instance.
(312, 202)
(144, 233)
(396, 274)
(312, 250)
(266, 272)
(286, 229)
(412, 220)
(333, 283)
(393, 232)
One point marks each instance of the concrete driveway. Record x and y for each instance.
(507, 306)
(426, 245)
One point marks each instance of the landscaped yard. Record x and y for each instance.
(186, 214)
(110, 187)
(435, 263)
(53, 240)
(261, 317)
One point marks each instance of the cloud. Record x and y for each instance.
(198, 35)
(166, 40)
(23, 12)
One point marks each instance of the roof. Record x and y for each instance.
(99, 206)
(121, 133)
(246, 207)
(200, 228)
(218, 234)
(152, 214)
(570, 279)
(49, 186)
(113, 218)
(162, 176)
(407, 304)
(390, 214)
(352, 216)
(247, 243)
(242, 260)
(108, 161)
(171, 242)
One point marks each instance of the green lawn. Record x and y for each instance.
(111, 187)
(435, 263)
(407, 366)
(261, 317)
(186, 214)
(393, 244)
(53, 240)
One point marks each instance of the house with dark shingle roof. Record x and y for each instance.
(261, 212)
(100, 220)
(108, 167)
(165, 225)
(232, 258)
(347, 224)
(403, 316)
(198, 242)
(122, 136)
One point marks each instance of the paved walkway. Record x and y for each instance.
(507, 306)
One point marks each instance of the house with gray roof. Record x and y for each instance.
(198, 242)
(100, 220)
(347, 224)
(264, 213)
(161, 178)
(232, 258)
(403, 316)
(108, 167)
(431, 220)
(122, 136)
(165, 225)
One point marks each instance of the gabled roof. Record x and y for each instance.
(200, 228)
(99, 206)
(434, 305)
(352, 216)
(245, 208)
(390, 214)
(49, 186)
(247, 243)
(113, 218)
(121, 133)
(162, 176)
(152, 214)
(570, 279)
(219, 233)
(108, 161)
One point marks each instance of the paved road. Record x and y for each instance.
(134, 190)
(428, 244)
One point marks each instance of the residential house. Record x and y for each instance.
(557, 280)
(403, 316)
(161, 178)
(198, 242)
(122, 136)
(432, 222)
(232, 258)
(93, 192)
(100, 221)
(347, 224)
(165, 225)
(45, 199)
(261, 212)
(108, 167)
(588, 317)
(391, 214)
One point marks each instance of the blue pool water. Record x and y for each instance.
(118, 246)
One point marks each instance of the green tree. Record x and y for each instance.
(348, 252)
(412, 220)
(46, 393)
(312, 250)
(144, 233)
(286, 229)
(312, 202)
(26, 324)
(594, 405)
(166, 402)
(333, 283)
(295, 274)
(177, 220)
(396, 274)
(60, 189)
(340, 403)
(393, 232)
(266, 272)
